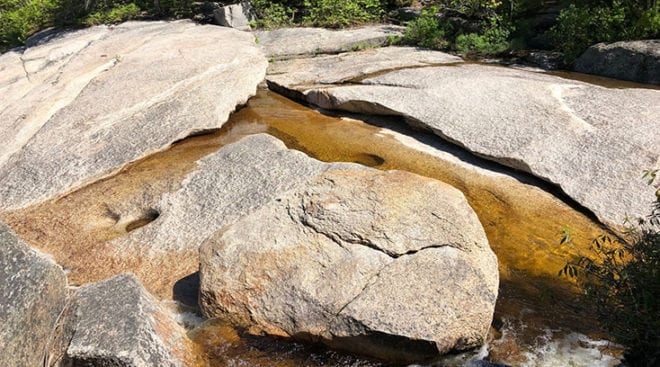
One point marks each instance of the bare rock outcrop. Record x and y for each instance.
(386, 264)
(295, 42)
(637, 61)
(590, 140)
(32, 296)
(233, 182)
(82, 105)
(116, 322)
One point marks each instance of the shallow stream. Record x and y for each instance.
(539, 320)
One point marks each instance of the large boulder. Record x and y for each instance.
(84, 104)
(592, 141)
(637, 61)
(386, 264)
(116, 322)
(290, 42)
(32, 296)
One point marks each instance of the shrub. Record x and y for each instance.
(117, 14)
(580, 26)
(473, 27)
(426, 31)
(342, 13)
(272, 14)
(622, 281)
(20, 19)
(494, 41)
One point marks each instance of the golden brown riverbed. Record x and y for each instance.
(523, 222)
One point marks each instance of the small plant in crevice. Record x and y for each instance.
(621, 279)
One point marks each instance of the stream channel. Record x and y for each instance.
(539, 319)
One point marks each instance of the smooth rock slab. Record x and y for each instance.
(227, 185)
(231, 183)
(387, 264)
(593, 142)
(637, 61)
(82, 105)
(290, 42)
(351, 67)
(116, 322)
(32, 296)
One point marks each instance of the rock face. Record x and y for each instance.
(349, 67)
(227, 185)
(387, 264)
(592, 141)
(637, 61)
(85, 103)
(32, 296)
(236, 15)
(289, 42)
(117, 323)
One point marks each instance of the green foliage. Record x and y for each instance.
(426, 31)
(479, 30)
(622, 281)
(495, 40)
(272, 14)
(20, 19)
(470, 9)
(342, 13)
(117, 14)
(580, 26)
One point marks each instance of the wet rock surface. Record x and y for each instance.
(292, 42)
(32, 296)
(84, 104)
(592, 141)
(361, 260)
(116, 322)
(637, 61)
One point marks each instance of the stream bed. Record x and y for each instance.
(539, 319)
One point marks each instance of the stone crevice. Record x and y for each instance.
(27, 75)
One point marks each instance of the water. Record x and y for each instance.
(539, 320)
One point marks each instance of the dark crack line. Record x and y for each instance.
(339, 240)
(27, 75)
(367, 284)
(372, 279)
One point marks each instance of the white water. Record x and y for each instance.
(574, 350)
(184, 315)
(551, 348)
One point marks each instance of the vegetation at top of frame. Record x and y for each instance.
(471, 27)
(584, 23)
(320, 13)
(491, 27)
(622, 281)
(19, 19)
